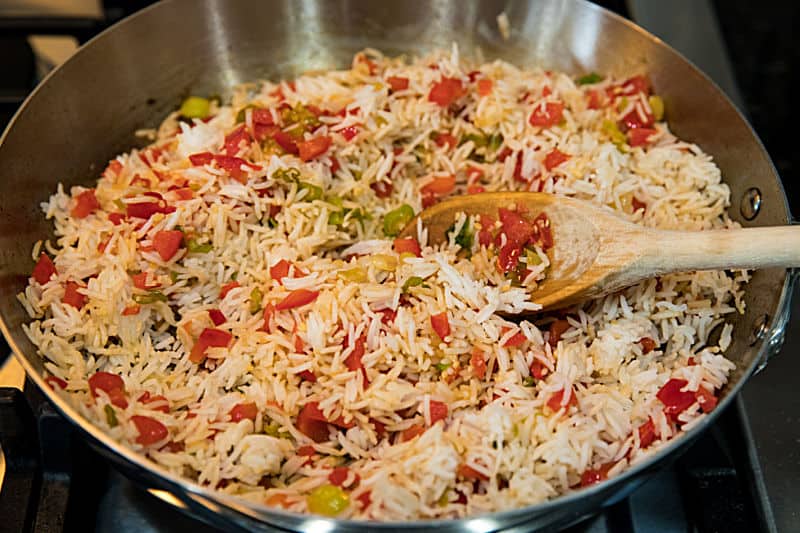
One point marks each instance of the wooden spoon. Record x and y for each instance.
(596, 252)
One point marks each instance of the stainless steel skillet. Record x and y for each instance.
(133, 74)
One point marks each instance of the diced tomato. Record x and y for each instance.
(349, 132)
(184, 193)
(235, 139)
(306, 451)
(446, 91)
(446, 139)
(473, 174)
(312, 423)
(217, 317)
(440, 185)
(140, 281)
(397, 83)
(307, 375)
(556, 399)
(633, 120)
(314, 147)
(554, 158)
(595, 98)
(517, 230)
(54, 382)
(412, 432)
(112, 385)
(475, 189)
(280, 270)
(286, 142)
(383, 189)
(485, 233)
(557, 328)
(387, 315)
(233, 166)
(647, 344)
(297, 298)
(228, 287)
(428, 200)
(163, 403)
(167, 243)
(116, 218)
(485, 86)
(339, 475)
(240, 411)
(150, 430)
(353, 361)
(517, 339)
(145, 210)
(365, 499)
(72, 296)
(441, 325)
(691, 361)
(269, 311)
(44, 269)
(674, 399)
(209, 338)
(547, 115)
(262, 116)
(630, 87)
(647, 433)
(543, 234)
(467, 472)
(595, 475)
(508, 258)
(174, 447)
(263, 131)
(538, 370)
(637, 204)
(132, 309)
(478, 363)
(201, 159)
(139, 181)
(113, 169)
(640, 136)
(380, 427)
(706, 399)
(85, 204)
(408, 244)
(438, 411)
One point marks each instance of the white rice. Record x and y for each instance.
(500, 426)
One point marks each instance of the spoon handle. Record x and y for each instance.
(679, 251)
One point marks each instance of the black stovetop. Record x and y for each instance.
(740, 476)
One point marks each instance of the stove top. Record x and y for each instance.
(739, 476)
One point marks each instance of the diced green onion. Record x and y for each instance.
(464, 237)
(589, 79)
(314, 192)
(529, 381)
(327, 500)
(495, 141)
(111, 416)
(150, 297)
(255, 300)
(396, 220)
(195, 107)
(413, 281)
(336, 218)
(195, 247)
(286, 174)
(300, 114)
(477, 140)
(441, 367)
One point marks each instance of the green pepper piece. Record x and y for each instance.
(336, 218)
(441, 367)
(150, 297)
(195, 247)
(589, 79)
(327, 500)
(241, 115)
(396, 220)
(465, 235)
(111, 416)
(255, 300)
(195, 107)
(413, 281)
(495, 142)
(272, 223)
(286, 174)
(173, 276)
(528, 381)
(314, 192)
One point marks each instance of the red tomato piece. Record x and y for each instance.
(637, 204)
(485, 86)
(440, 185)
(217, 317)
(441, 325)
(262, 116)
(412, 432)
(353, 361)
(209, 338)
(269, 310)
(144, 210)
(428, 200)
(548, 115)
(508, 258)
(387, 315)
(174, 447)
(517, 230)
(485, 233)
(467, 472)
(112, 385)
(235, 140)
(297, 298)
(438, 411)
(146, 399)
(706, 399)
(306, 451)
(233, 166)
(647, 433)
(54, 382)
(633, 120)
(286, 142)
(132, 310)
(44, 269)
(407, 245)
(543, 233)
(167, 243)
(72, 296)
(228, 287)
(538, 370)
(517, 339)
(280, 270)
(240, 411)
(116, 218)
(446, 91)
(475, 189)
(446, 139)
(554, 158)
(632, 86)
(339, 475)
(557, 328)
(674, 399)
(113, 169)
(140, 281)
(647, 344)
(201, 159)
(307, 375)
(349, 132)
(640, 136)
(397, 83)
(312, 423)
(556, 399)
(150, 430)
(595, 475)
(184, 193)
(314, 147)
(595, 98)
(263, 131)
(383, 189)
(85, 204)
(478, 363)
(365, 499)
